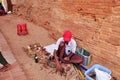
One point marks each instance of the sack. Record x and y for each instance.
(101, 75)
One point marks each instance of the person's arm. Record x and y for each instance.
(58, 65)
(62, 53)
(55, 55)
(70, 55)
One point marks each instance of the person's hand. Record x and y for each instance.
(59, 67)
(67, 58)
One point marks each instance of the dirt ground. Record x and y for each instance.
(37, 34)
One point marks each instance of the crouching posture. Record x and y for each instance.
(65, 50)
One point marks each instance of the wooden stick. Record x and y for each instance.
(80, 73)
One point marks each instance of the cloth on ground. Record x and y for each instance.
(50, 48)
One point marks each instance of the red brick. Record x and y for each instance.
(113, 40)
(116, 9)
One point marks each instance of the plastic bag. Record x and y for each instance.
(101, 75)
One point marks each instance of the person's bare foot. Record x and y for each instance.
(5, 68)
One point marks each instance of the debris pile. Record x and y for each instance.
(37, 49)
(43, 57)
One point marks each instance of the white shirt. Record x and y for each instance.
(70, 47)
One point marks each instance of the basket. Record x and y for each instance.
(92, 70)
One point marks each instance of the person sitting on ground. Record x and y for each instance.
(6, 65)
(65, 51)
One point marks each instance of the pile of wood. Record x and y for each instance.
(35, 48)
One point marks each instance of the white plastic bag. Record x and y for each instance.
(101, 75)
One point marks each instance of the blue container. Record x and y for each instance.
(91, 70)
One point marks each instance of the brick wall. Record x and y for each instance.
(95, 25)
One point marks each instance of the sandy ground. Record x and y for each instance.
(37, 34)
